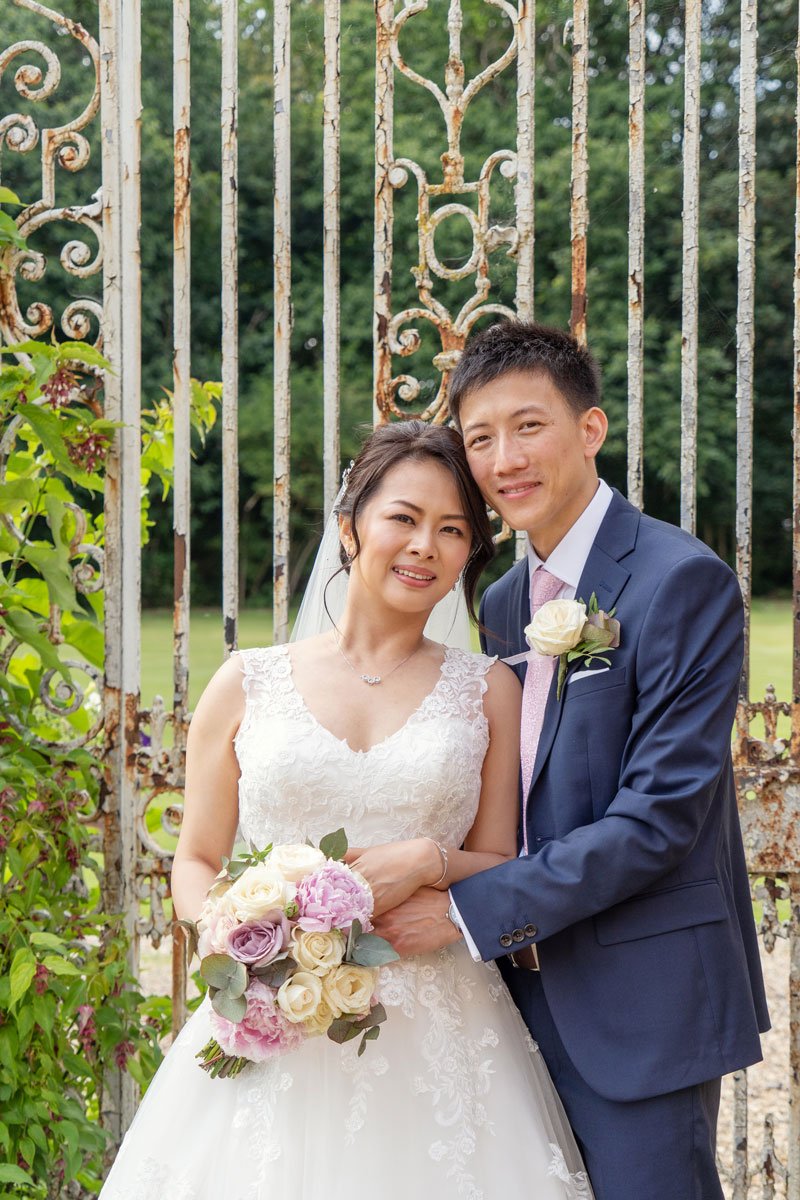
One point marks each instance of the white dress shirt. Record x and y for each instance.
(565, 562)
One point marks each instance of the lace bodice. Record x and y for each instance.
(298, 780)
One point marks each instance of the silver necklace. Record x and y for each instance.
(373, 679)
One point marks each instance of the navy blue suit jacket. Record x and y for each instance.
(636, 882)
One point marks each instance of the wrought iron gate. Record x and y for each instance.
(136, 865)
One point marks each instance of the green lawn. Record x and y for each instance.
(771, 653)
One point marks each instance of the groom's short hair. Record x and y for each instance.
(526, 346)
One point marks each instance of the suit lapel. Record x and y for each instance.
(519, 612)
(604, 575)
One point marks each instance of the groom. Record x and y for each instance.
(624, 929)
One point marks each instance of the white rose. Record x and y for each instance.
(300, 996)
(295, 862)
(316, 951)
(320, 1020)
(348, 989)
(557, 627)
(258, 891)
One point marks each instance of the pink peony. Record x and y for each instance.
(258, 942)
(332, 898)
(264, 1032)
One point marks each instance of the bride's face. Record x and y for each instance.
(415, 537)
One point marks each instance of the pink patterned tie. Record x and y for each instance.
(538, 678)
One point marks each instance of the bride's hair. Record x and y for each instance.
(416, 441)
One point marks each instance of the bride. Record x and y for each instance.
(412, 746)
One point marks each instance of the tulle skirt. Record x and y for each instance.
(452, 1100)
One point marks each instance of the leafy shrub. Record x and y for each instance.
(69, 1008)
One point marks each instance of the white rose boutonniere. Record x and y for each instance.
(568, 630)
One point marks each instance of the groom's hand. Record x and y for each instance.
(419, 925)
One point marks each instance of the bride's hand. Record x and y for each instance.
(396, 870)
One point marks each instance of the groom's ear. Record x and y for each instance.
(594, 429)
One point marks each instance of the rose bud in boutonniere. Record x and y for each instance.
(567, 630)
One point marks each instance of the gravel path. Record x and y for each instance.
(768, 1081)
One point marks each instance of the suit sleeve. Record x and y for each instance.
(687, 668)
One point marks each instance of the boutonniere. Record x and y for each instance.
(570, 631)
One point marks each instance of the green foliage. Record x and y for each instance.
(68, 1007)
(9, 234)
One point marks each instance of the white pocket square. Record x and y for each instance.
(586, 674)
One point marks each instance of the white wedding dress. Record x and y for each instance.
(453, 1099)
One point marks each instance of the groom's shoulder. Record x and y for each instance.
(501, 589)
(673, 545)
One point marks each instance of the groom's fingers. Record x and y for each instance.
(353, 854)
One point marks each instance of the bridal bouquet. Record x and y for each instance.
(285, 948)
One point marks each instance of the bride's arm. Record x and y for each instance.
(396, 870)
(210, 814)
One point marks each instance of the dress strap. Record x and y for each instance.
(266, 680)
(464, 684)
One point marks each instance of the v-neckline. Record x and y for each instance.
(390, 736)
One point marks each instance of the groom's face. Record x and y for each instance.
(531, 454)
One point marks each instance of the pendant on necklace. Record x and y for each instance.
(371, 679)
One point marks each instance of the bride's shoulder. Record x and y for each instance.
(497, 676)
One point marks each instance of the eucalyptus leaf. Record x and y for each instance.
(369, 950)
(192, 938)
(343, 1030)
(334, 845)
(230, 1007)
(369, 1036)
(274, 973)
(220, 969)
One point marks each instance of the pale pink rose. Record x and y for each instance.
(332, 898)
(264, 1032)
(258, 942)
(216, 923)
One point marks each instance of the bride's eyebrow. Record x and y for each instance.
(415, 508)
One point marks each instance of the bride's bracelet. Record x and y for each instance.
(443, 855)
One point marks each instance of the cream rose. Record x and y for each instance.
(258, 891)
(317, 952)
(557, 627)
(300, 996)
(320, 1021)
(348, 989)
(295, 862)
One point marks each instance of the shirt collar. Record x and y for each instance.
(569, 557)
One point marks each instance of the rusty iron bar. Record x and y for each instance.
(691, 239)
(636, 217)
(526, 130)
(331, 321)
(793, 1164)
(796, 438)
(283, 316)
(745, 318)
(384, 210)
(579, 188)
(525, 181)
(181, 368)
(120, 37)
(229, 120)
(741, 1170)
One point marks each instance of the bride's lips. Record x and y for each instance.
(413, 577)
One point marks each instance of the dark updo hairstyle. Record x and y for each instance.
(416, 441)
